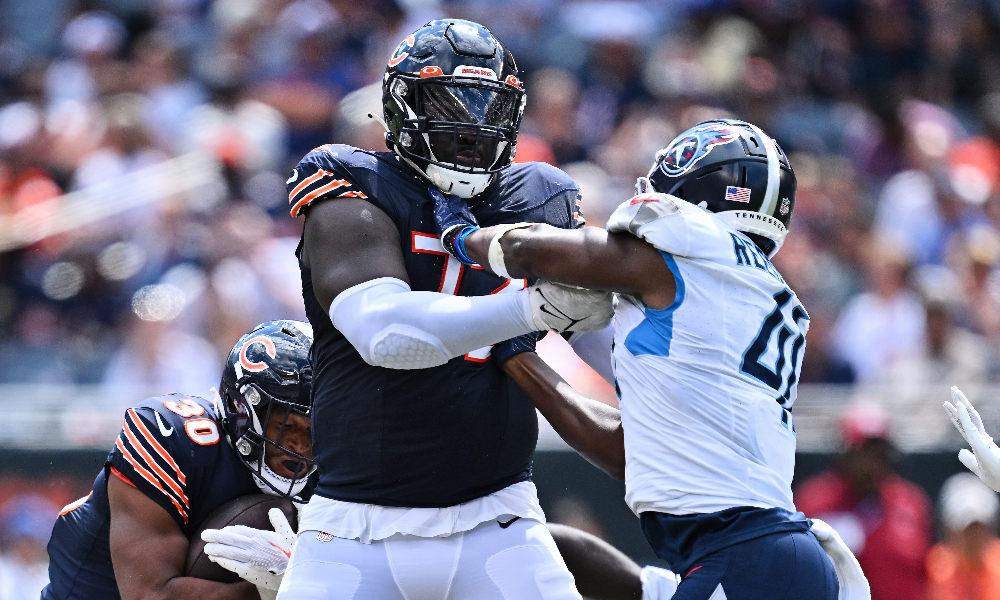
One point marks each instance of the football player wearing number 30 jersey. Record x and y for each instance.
(708, 342)
(176, 460)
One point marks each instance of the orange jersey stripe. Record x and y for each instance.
(307, 182)
(151, 462)
(121, 476)
(74, 505)
(156, 445)
(317, 193)
(149, 477)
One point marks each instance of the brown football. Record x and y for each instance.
(246, 510)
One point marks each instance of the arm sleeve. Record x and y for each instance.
(141, 454)
(393, 327)
(594, 348)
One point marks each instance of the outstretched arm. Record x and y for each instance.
(588, 257)
(592, 428)
(359, 277)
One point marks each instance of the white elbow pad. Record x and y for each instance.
(401, 346)
(394, 345)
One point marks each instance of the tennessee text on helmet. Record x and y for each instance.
(452, 103)
(734, 169)
(268, 378)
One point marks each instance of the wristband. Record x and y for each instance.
(495, 253)
(453, 240)
(459, 242)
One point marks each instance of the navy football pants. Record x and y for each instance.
(779, 566)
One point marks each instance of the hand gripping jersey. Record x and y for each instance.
(429, 437)
(170, 448)
(708, 383)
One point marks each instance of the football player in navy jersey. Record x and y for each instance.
(176, 459)
(170, 468)
(423, 444)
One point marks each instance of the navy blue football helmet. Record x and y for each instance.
(734, 169)
(268, 377)
(452, 103)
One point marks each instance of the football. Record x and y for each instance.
(246, 510)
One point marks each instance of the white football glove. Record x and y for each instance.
(657, 583)
(984, 460)
(853, 583)
(563, 308)
(257, 555)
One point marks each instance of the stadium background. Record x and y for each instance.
(144, 146)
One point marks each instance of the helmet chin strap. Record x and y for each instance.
(463, 185)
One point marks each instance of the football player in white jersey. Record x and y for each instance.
(708, 342)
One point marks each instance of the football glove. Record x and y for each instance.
(853, 583)
(257, 555)
(506, 349)
(564, 308)
(454, 221)
(657, 583)
(984, 459)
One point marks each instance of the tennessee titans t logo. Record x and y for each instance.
(688, 150)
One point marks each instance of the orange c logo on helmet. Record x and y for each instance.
(431, 72)
(514, 81)
(409, 41)
(250, 365)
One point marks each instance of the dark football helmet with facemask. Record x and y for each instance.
(268, 378)
(452, 104)
(734, 169)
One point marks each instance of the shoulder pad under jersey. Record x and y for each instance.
(330, 171)
(533, 192)
(164, 443)
(690, 231)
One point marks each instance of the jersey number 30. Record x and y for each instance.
(751, 364)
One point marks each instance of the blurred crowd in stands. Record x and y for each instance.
(889, 109)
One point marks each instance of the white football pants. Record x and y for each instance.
(519, 562)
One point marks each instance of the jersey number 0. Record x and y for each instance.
(751, 364)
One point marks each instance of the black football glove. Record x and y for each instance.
(523, 343)
(454, 221)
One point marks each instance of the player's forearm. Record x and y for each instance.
(537, 251)
(592, 428)
(601, 571)
(589, 257)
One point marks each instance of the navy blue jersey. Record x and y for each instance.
(170, 448)
(428, 437)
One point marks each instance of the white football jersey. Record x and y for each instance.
(707, 384)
